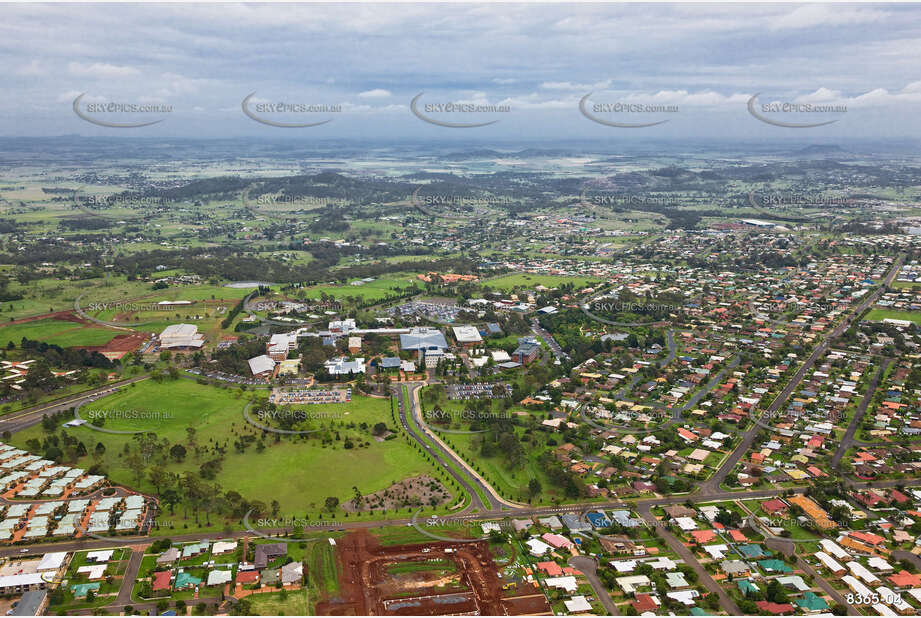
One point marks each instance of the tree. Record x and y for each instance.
(331, 503)
(178, 452)
(136, 464)
(158, 477)
(534, 487)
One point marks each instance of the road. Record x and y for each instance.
(496, 502)
(32, 416)
(438, 454)
(713, 483)
(588, 566)
(687, 556)
(847, 440)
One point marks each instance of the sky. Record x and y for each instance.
(529, 64)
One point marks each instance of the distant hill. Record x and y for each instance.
(820, 149)
(486, 153)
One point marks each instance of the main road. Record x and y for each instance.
(713, 484)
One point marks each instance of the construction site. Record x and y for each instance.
(430, 579)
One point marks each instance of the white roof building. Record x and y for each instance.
(52, 561)
(467, 334)
(578, 604)
(829, 563)
(856, 587)
(181, 336)
(261, 364)
(567, 583)
(631, 583)
(862, 572)
(834, 549)
(537, 547)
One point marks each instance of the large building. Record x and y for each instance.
(280, 345)
(467, 335)
(181, 337)
(424, 339)
(262, 366)
(341, 366)
(528, 349)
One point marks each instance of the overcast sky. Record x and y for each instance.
(708, 60)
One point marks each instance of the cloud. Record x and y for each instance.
(34, 68)
(100, 69)
(377, 93)
(824, 15)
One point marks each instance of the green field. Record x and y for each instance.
(285, 603)
(878, 315)
(510, 282)
(286, 470)
(58, 332)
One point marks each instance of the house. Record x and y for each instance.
(557, 541)
(777, 609)
(292, 573)
(645, 603)
(578, 604)
(836, 568)
(551, 568)
(219, 578)
(774, 507)
(631, 583)
(811, 603)
(161, 580)
(567, 583)
(736, 568)
(248, 577)
(537, 548)
(268, 552)
(170, 556)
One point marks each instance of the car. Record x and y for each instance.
(24, 551)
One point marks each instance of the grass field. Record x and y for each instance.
(286, 470)
(57, 332)
(283, 603)
(509, 282)
(878, 315)
(373, 290)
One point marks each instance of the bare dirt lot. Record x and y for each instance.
(416, 491)
(431, 579)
